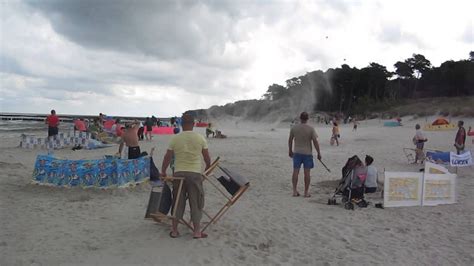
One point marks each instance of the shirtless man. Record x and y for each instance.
(130, 138)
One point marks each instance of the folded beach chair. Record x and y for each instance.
(228, 183)
(234, 184)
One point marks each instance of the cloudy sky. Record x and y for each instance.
(163, 57)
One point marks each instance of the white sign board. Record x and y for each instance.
(439, 189)
(403, 189)
(460, 160)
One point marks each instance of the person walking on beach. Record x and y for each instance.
(419, 140)
(302, 135)
(130, 138)
(187, 148)
(335, 133)
(149, 127)
(354, 121)
(460, 139)
(52, 121)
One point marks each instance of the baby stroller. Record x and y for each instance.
(351, 186)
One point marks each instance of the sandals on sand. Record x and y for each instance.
(203, 235)
(173, 236)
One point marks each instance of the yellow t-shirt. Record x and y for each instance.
(187, 147)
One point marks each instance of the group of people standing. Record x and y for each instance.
(301, 141)
(459, 141)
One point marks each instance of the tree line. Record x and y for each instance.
(351, 90)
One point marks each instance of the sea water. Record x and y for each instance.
(15, 128)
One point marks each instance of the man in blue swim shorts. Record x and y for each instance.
(302, 153)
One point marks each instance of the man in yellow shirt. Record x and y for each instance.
(187, 147)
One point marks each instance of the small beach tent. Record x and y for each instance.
(440, 121)
(439, 124)
(391, 124)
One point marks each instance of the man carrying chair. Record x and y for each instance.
(187, 147)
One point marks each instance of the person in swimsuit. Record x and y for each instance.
(130, 138)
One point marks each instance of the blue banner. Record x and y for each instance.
(109, 172)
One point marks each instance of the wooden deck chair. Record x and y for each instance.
(162, 218)
(234, 185)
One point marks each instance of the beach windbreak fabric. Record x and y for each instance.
(109, 172)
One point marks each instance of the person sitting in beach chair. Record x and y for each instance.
(209, 131)
(372, 175)
(219, 135)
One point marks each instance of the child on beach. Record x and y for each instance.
(335, 133)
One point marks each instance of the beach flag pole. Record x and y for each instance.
(325, 166)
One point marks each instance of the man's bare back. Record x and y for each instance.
(130, 136)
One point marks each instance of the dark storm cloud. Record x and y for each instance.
(163, 29)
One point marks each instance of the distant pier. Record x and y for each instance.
(64, 117)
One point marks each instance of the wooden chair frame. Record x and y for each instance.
(209, 177)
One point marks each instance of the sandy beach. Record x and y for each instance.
(42, 225)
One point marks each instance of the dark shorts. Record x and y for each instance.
(52, 131)
(370, 189)
(303, 159)
(420, 145)
(133, 152)
(149, 128)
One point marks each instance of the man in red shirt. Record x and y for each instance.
(53, 122)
